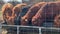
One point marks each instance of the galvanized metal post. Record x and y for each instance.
(40, 31)
(17, 29)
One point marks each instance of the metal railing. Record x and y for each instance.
(51, 29)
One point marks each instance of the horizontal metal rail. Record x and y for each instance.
(51, 29)
(33, 27)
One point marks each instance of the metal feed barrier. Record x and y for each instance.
(31, 29)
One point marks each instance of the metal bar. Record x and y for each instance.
(17, 30)
(40, 31)
(43, 28)
(23, 26)
(33, 26)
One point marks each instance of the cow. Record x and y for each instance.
(7, 12)
(25, 9)
(46, 13)
(26, 19)
(16, 13)
(57, 21)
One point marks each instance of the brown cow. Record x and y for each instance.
(57, 21)
(30, 13)
(16, 12)
(47, 12)
(7, 12)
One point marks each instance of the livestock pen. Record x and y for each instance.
(47, 27)
(16, 29)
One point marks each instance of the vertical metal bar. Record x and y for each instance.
(40, 31)
(0, 28)
(17, 29)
